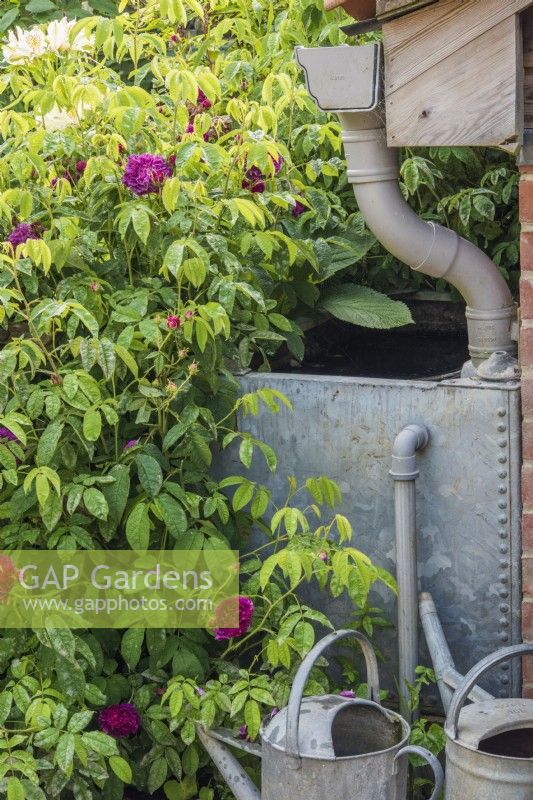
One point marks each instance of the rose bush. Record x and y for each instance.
(169, 211)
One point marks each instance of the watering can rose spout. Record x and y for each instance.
(317, 746)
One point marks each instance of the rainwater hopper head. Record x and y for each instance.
(342, 78)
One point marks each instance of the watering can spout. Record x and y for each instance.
(232, 771)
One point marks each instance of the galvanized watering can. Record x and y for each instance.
(489, 750)
(326, 747)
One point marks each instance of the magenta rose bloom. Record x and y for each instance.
(298, 209)
(7, 436)
(21, 233)
(120, 720)
(254, 180)
(131, 443)
(203, 101)
(145, 173)
(246, 613)
(347, 693)
(81, 166)
(173, 321)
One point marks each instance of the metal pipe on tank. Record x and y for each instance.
(404, 471)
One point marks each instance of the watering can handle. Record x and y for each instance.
(297, 691)
(433, 762)
(470, 680)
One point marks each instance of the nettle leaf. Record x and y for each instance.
(363, 306)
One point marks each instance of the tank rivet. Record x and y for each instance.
(504, 594)
(504, 608)
(504, 564)
(501, 412)
(502, 519)
(502, 489)
(502, 473)
(503, 533)
(504, 549)
(502, 443)
(503, 637)
(503, 578)
(502, 459)
(504, 680)
(502, 428)
(502, 504)
(504, 622)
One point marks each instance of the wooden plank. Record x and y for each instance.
(417, 42)
(471, 97)
(389, 6)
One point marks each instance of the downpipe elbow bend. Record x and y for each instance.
(406, 445)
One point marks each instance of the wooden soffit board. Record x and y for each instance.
(385, 7)
(453, 75)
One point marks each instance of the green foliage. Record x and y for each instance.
(121, 322)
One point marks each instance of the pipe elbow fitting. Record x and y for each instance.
(406, 445)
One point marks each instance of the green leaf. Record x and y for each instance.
(48, 442)
(47, 738)
(7, 19)
(138, 527)
(64, 755)
(242, 496)
(131, 646)
(62, 641)
(252, 717)
(117, 493)
(92, 424)
(126, 357)
(100, 743)
(157, 775)
(363, 306)
(79, 721)
(174, 257)
(40, 6)
(187, 417)
(121, 768)
(141, 223)
(95, 503)
(173, 514)
(6, 701)
(150, 474)
(15, 790)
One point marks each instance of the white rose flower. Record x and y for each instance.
(24, 45)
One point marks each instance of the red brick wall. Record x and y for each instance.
(526, 360)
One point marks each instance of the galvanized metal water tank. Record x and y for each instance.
(468, 496)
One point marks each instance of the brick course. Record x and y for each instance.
(526, 361)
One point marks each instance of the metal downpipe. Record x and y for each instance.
(404, 472)
(373, 170)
